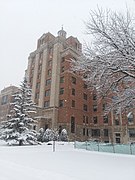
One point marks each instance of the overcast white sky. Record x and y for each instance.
(24, 21)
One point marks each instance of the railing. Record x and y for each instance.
(102, 147)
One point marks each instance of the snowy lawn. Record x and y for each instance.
(66, 163)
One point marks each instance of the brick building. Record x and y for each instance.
(5, 100)
(62, 97)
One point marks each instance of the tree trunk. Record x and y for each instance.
(20, 142)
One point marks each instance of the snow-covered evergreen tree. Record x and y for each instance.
(40, 135)
(63, 135)
(19, 125)
(50, 135)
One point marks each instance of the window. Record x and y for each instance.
(73, 103)
(118, 140)
(105, 119)
(39, 67)
(94, 108)
(83, 119)
(76, 46)
(83, 131)
(47, 92)
(132, 132)
(61, 103)
(73, 80)
(46, 104)
(106, 132)
(73, 91)
(48, 82)
(37, 85)
(49, 63)
(106, 141)
(95, 120)
(85, 108)
(85, 96)
(87, 132)
(49, 72)
(41, 55)
(87, 120)
(62, 69)
(130, 117)
(61, 90)
(4, 99)
(36, 95)
(117, 122)
(62, 79)
(117, 134)
(72, 124)
(104, 107)
(50, 52)
(94, 97)
(39, 76)
(96, 132)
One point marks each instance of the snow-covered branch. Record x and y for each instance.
(110, 60)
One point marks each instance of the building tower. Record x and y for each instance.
(61, 96)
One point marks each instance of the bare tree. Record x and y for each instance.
(109, 61)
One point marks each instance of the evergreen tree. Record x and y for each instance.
(63, 135)
(19, 124)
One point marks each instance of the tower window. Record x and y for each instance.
(61, 103)
(87, 120)
(117, 122)
(62, 79)
(49, 63)
(47, 92)
(61, 90)
(37, 85)
(94, 108)
(46, 104)
(83, 119)
(73, 80)
(73, 103)
(85, 107)
(105, 119)
(84, 96)
(48, 82)
(4, 99)
(73, 91)
(95, 120)
(36, 95)
(72, 124)
(49, 72)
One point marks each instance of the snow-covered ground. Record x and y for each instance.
(66, 163)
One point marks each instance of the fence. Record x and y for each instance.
(102, 147)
